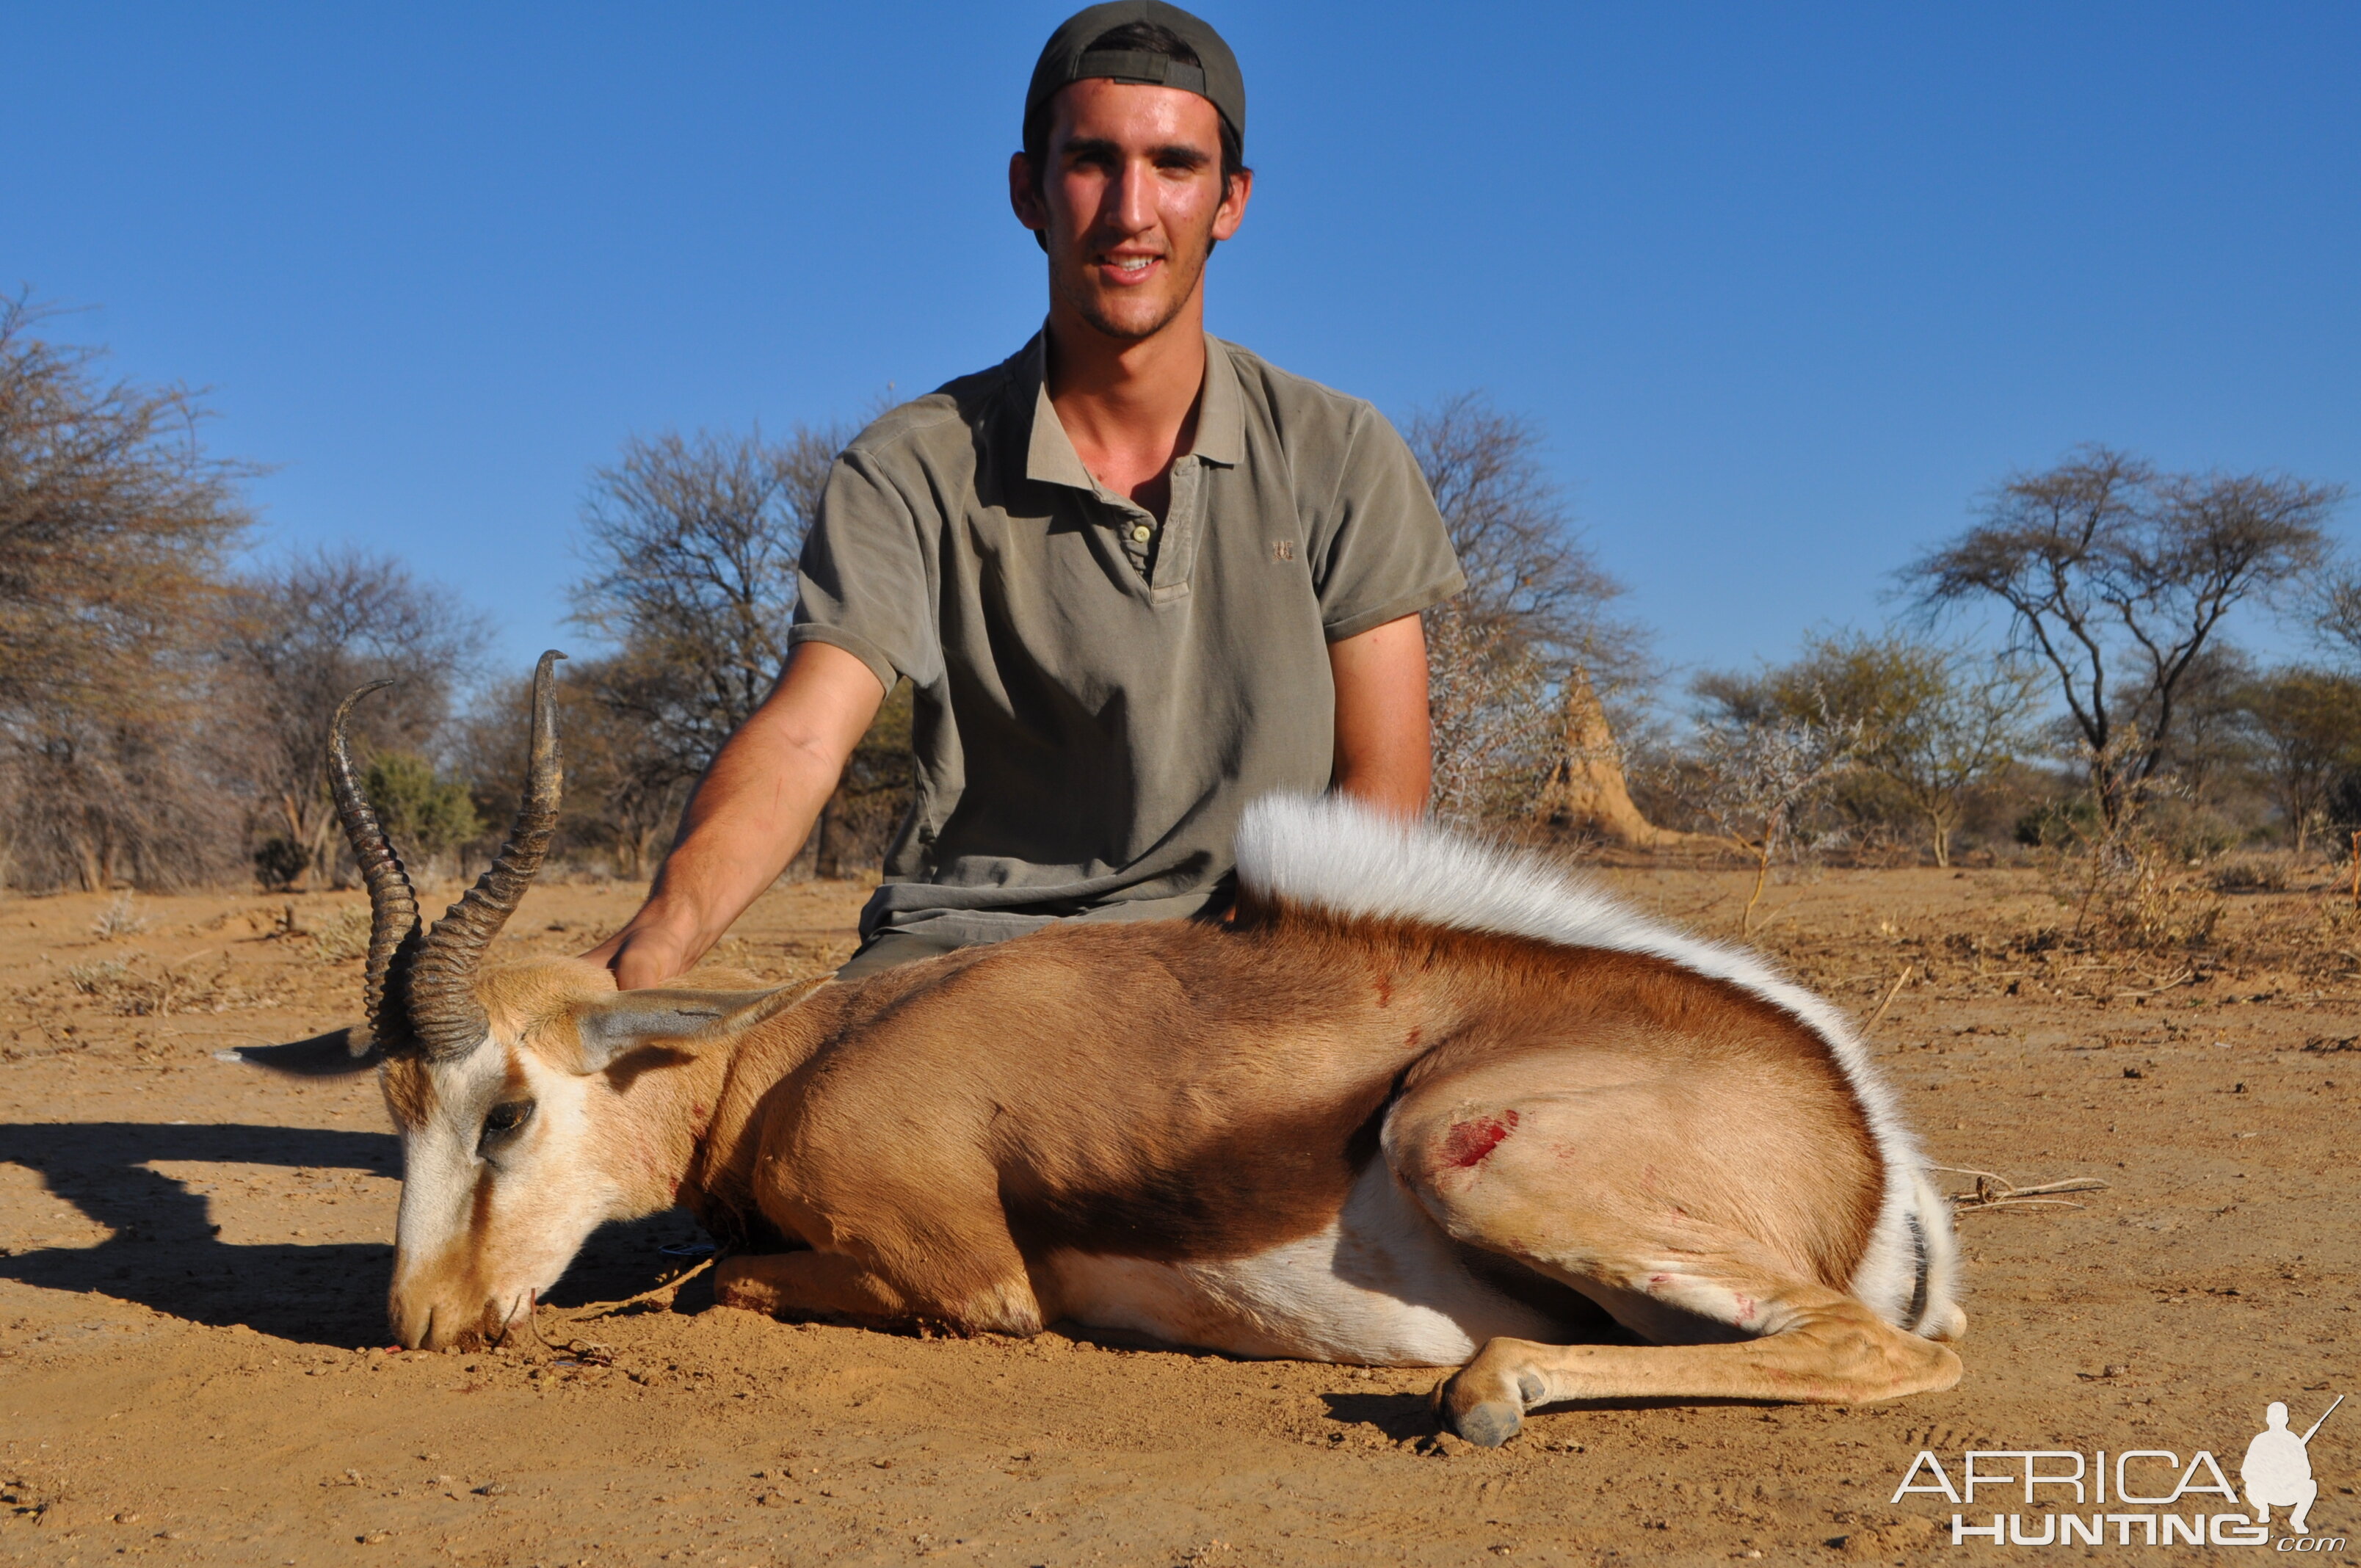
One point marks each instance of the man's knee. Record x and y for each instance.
(892, 950)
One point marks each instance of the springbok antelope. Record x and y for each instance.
(1422, 1102)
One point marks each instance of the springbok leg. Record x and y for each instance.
(1714, 1211)
(1829, 1349)
(816, 1282)
(830, 1284)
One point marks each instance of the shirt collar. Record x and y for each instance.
(1049, 455)
(1221, 410)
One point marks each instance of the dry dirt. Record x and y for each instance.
(194, 1258)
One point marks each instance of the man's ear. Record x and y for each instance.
(333, 1055)
(612, 1027)
(1024, 197)
(1232, 213)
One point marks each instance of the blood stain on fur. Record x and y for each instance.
(1468, 1142)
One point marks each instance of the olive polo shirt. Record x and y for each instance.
(1098, 697)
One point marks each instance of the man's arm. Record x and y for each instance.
(752, 811)
(1384, 757)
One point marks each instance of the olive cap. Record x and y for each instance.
(1068, 57)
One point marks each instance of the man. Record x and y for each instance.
(1135, 576)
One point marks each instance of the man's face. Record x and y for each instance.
(1130, 203)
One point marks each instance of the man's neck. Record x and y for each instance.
(1129, 408)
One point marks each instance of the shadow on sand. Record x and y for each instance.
(164, 1254)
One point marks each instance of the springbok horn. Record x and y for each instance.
(444, 1013)
(393, 904)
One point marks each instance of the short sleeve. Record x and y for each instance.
(1385, 553)
(866, 579)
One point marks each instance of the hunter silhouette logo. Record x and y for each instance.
(2277, 1468)
(2139, 1502)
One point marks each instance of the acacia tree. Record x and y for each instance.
(2336, 610)
(2306, 725)
(693, 541)
(113, 526)
(2115, 577)
(301, 637)
(1536, 611)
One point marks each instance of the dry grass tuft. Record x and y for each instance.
(117, 920)
(345, 937)
(141, 986)
(2251, 873)
(2129, 891)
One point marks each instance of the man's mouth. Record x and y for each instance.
(1128, 268)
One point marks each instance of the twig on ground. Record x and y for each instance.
(1995, 1191)
(1899, 981)
(580, 1350)
(668, 1290)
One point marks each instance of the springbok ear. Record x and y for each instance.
(333, 1055)
(613, 1027)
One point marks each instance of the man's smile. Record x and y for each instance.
(1128, 269)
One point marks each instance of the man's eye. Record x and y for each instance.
(507, 1118)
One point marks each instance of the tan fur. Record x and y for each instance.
(927, 1146)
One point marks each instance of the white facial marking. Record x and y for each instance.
(461, 1265)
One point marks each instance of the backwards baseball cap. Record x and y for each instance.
(1068, 57)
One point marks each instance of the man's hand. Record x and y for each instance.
(1384, 756)
(649, 950)
(752, 811)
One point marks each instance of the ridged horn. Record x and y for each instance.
(444, 1013)
(393, 904)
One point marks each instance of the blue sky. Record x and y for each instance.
(1784, 286)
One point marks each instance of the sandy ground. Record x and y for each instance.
(194, 1258)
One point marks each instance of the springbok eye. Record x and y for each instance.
(507, 1118)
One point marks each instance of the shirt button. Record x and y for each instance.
(1140, 533)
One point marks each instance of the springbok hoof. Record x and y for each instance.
(1488, 1411)
(1489, 1424)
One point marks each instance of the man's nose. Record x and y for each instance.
(1131, 205)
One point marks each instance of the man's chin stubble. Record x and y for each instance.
(1088, 304)
(1125, 331)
